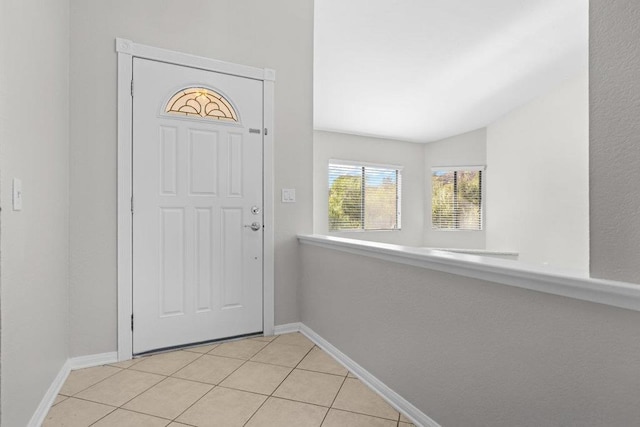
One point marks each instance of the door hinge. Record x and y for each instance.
(266, 131)
(131, 205)
(132, 322)
(132, 88)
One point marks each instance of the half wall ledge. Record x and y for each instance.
(507, 272)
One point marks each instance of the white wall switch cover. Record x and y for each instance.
(288, 195)
(17, 194)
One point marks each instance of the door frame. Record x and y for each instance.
(127, 50)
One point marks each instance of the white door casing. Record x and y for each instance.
(184, 296)
(197, 188)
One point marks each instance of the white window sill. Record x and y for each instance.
(537, 278)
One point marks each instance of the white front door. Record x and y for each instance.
(197, 191)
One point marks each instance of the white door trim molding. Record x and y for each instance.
(127, 50)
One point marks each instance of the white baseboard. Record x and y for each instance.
(70, 365)
(93, 360)
(418, 417)
(286, 328)
(45, 404)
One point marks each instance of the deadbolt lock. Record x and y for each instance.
(255, 210)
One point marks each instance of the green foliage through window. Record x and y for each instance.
(456, 200)
(363, 198)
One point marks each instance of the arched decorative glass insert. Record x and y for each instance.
(201, 102)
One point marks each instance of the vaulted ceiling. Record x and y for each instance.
(423, 70)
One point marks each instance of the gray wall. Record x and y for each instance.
(34, 135)
(472, 353)
(615, 139)
(276, 34)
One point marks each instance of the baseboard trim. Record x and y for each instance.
(70, 365)
(418, 417)
(93, 360)
(286, 328)
(47, 401)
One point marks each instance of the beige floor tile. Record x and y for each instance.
(209, 369)
(406, 425)
(350, 375)
(310, 387)
(76, 413)
(337, 418)
(281, 354)
(223, 407)
(174, 424)
(295, 338)
(127, 363)
(257, 378)
(244, 349)
(354, 396)
(319, 361)
(279, 412)
(166, 363)
(122, 418)
(404, 419)
(169, 398)
(202, 348)
(121, 387)
(267, 338)
(84, 378)
(59, 398)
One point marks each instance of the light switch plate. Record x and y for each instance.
(17, 194)
(288, 195)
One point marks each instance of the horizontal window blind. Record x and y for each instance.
(363, 198)
(456, 199)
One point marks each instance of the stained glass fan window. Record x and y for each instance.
(201, 102)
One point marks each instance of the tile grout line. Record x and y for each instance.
(265, 401)
(335, 397)
(115, 373)
(150, 387)
(165, 378)
(86, 388)
(234, 389)
(364, 413)
(131, 410)
(278, 386)
(218, 385)
(104, 416)
(321, 372)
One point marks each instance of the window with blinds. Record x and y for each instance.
(364, 197)
(456, 199)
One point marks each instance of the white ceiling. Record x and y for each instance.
(423, 70)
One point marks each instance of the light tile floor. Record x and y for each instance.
(265, 381)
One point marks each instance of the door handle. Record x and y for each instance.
(255, 226)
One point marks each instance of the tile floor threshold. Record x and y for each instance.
(278, 381)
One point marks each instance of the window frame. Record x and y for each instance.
(359, 164)
(465, 168)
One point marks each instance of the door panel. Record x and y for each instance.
(197, 268)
